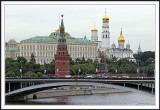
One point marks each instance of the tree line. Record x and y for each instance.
(82, 66)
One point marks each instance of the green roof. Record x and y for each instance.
(81, 40)
(57, 34)
(41, 39)
(12, 48)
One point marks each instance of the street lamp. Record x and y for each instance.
(21, 67)
(78, 68)
(44, 69)
(138, 67)
(58, 69)
(154, 69)
(115, 67)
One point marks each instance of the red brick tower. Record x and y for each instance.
(62, 57)
(102, 66)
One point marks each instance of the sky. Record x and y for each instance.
(137, 22)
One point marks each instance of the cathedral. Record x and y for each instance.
(119, 51)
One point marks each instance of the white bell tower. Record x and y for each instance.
(105, 32)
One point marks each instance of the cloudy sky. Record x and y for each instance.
(136, 21)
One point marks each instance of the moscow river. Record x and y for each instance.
(135, 97)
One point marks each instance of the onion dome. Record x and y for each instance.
(105, 17)
(58, 30)
(102, 51)
(121, 38)
(94, 29)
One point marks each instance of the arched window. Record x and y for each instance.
(106, 36)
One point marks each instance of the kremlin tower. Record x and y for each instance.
(105, 32)
(102, 66)
(62, 57)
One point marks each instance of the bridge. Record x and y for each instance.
(36, 85)
(79, 80)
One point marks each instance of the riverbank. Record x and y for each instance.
(73, 92)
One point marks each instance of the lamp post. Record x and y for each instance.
(138, 67)
(44, 69)
(21, 67)
(58, 69)
(115, 67)
(78, 68)
(154, 70)
(97, 69)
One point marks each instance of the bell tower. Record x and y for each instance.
(105, 32)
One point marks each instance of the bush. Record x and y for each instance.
(10, 74)
(39, 74)
(30, 74)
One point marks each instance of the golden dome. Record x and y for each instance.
(94, 29)
(99, 48)
(105, 17)
(58, 30)
(121, 38)
(102, 50)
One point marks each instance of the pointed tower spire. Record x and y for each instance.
(62, 27)
(62, 39)
(139, 49)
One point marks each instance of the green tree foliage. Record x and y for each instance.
(10, 74)
(149, 69)
(22, 58)
(89, 61)
(39, 74)
(71, 62)
(78, 60)
(143, 56)
(30, 74)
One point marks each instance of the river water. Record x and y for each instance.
(135, 97)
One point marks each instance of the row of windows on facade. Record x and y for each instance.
(52, 54)
(14, 54)
(124, 55)
(70, 48)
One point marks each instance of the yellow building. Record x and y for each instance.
(44, 47)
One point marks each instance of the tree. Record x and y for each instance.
(143, 56)
(78, 60)
(32, 58)
(149, 69)
(39, 74)
(89, 61)
(72, 71)
(149, 61)
(83, 60)
(30, 74)
(21, 58)
(10, 74)
(71, 62)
